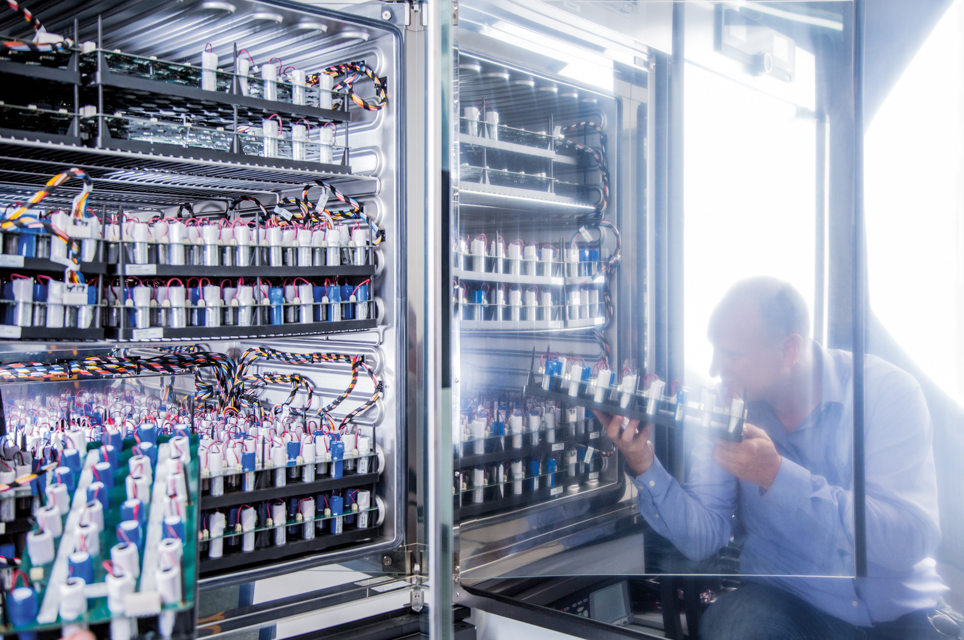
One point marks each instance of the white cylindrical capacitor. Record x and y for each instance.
(216, 470)
(333, 254)
(88, 539)
(653, 396)
(243, 254)
(478, 435)
(305, 249)
(535, 427)
(49, 519)
(549, 424)
(299, 141)
(73, 602)
(211, 253)
(575, 380)
(532, 303)
(209, 71)
(500, 303)
(306, 297)
(531, 256)
(138, 487)
(478, 482)
(140, 465)
(297, 77)
(270, 134)
(40, 547)
(279, 518)
(177, 485)
(93, 514)
(707, 404)
(119, 584)
(326, 140)
(126, 557)
(517, 476)
(361, 239)
(325, 83)
(169, 553)
(180, 449)
(269, 75)
(545, 301)
(141, 236)
(627, 389)
(546, 256)
(57, 494)
(77, 440)
(478, 254)
(212, 302)
(307, 459)
(575, 304)
(306, 508)
(515, 428)
(176, 237)
(515, 258)
(515, 304)
(364, 501)
(142, 306)
(364, 454)
(593, 310)
(249, 519)
(216, 530)
(168, 581)
(279, 460)
(492, 124)
(275, 252)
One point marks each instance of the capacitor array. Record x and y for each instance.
(113, 494)
(280, 479)
(533, 305)
(519, 258)
(638, 397)
(514, 451)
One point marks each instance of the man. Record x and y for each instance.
(790, 485)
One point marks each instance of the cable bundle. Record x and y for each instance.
(352, 72)
(22, 45)
(598, 156)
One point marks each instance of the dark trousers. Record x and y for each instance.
(758, 612)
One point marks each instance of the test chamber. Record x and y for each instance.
(565, 245)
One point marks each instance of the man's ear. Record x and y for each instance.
(792, 347)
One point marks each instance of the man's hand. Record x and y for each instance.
(755, 459)
(635, 445)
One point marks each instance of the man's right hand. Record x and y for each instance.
(634, 442)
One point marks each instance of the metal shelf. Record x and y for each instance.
(194, 271)
(514, 147)
(508, 453)
(130, 91)
(43, 265)
(231, 331)
(153, 174)
(293, 548)
(39, 72)
(486, 196)
(294, 489)
(526, 280)
(528, 326)
(541, 495)
(9, 332)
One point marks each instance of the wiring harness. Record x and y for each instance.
(351, 73)
(33, 47)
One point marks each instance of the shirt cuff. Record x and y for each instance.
(656, 481)
(790, 488)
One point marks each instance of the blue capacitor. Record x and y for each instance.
(63, 475)
(534, 471)
(92, 295)
(180, 430)
(586, 372)
(337, 459)
(27, 242)
(130, 531)
(104, 473)
(361, 293)
(336, 504)
(551, 471)
(276, 298)
(39, 292)
(294, 450)
(147, 432)
(22, 606)
(348, 310)
(70, 458)
(195, 294)
(134, 509)
(108, 453)
(173, 528)
(113, 437)
(350, 499)
(79, 565)
(149, 450)
(334, 298)
(98, 491)
(318, 292)
(248, 461)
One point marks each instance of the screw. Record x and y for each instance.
(386, 560)
(386, 15)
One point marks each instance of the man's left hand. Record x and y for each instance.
(755, 459)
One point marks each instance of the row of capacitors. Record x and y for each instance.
(172, 241)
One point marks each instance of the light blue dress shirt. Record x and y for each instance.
(803, 526)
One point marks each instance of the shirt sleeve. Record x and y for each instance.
(900, 480)
(694, 516)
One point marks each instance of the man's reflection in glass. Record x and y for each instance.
(790, 481)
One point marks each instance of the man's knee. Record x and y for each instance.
(758, 612)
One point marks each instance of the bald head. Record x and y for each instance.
(776, 308)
